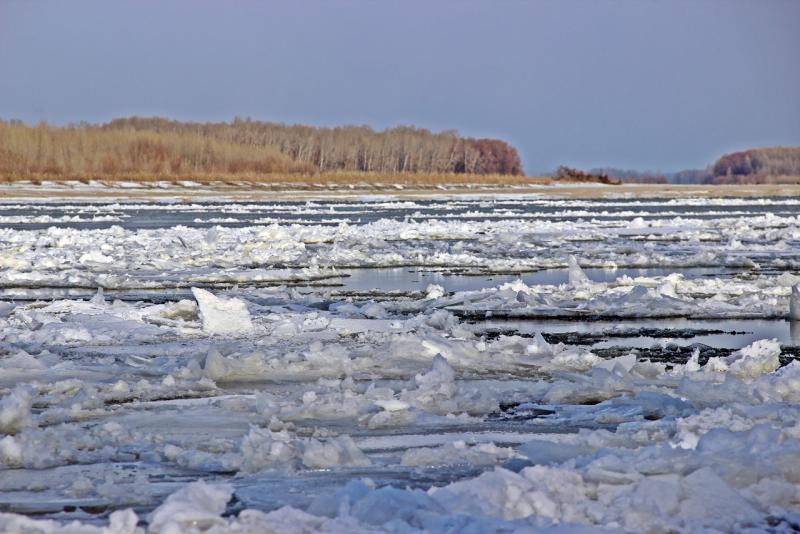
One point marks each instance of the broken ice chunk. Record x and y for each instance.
(435, 291)
(221, 315)
(334, 452)
(15, 409)
(576, 275)
(392, 405)
(436, 390)
(756, 359)
(264, 449)
(539, 347)
(195, 506)
(99, 299)
(668, 287)
(794, 303)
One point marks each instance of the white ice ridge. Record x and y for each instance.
(222, 315)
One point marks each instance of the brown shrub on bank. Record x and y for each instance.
(568, 174)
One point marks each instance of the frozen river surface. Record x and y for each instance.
(486, 364)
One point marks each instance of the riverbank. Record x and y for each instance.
(292, 191)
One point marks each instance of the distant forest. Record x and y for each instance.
(774, 165)
(166, 148)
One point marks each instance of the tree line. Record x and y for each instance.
(757, 165)
(772, 165)
(164, 148)
(351, 148)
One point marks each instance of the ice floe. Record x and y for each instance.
(209, 386)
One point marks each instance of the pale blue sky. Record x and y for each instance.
(630, 83)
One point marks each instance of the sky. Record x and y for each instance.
(637, 84)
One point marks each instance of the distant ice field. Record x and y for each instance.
(135, 215)
(482, 364)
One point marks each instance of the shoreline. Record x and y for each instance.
(256, 192)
